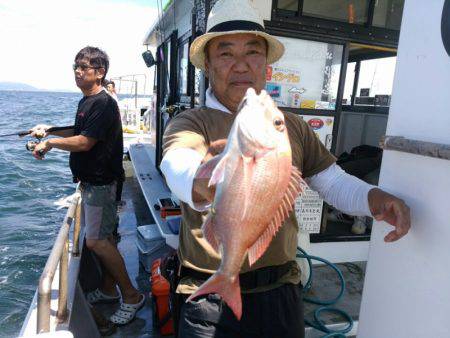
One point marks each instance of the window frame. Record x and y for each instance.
(365, 108)
(336, 112)
(182, 41)
(362, 33)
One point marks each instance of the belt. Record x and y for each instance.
(248, 280)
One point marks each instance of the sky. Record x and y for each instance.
(40, 38)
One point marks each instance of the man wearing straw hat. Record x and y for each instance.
(234, 54)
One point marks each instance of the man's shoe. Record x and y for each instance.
(359, 226)
(338, 216)
(97, 296)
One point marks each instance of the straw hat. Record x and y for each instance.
(232, 17)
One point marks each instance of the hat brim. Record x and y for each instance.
(275, 49)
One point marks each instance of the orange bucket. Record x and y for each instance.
(160, 292)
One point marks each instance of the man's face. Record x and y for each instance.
(87, 76)
(235, 63)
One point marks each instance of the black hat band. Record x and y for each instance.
(237, 25)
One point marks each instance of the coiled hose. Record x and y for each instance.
(318, 323)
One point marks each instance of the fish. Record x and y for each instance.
(255, 188)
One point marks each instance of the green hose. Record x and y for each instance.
(318, 323)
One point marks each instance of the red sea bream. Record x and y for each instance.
(256, 186)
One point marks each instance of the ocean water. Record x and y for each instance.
(29, 219)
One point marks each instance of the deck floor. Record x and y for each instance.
(135, 212)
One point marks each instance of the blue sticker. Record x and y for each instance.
(273, 89)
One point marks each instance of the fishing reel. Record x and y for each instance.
(31, 145)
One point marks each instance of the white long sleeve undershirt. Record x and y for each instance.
(345, 192)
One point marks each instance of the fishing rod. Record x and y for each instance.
(28, 132)
(17, 133)
(30, 145)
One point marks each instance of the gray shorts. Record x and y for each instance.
(98, 210)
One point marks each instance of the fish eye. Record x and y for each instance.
(279, 124)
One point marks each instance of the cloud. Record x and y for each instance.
(39, 39)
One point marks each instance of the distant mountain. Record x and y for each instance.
(16, 86)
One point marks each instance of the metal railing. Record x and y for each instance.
(58, 256)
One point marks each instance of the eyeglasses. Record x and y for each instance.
(83, 68)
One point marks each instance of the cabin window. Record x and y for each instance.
(168, 51)
(349, 82)
(183, 69)
(376, 78)
(197, 77)
(164, 51)
(307, 76)
(388, 14)
(350, 11)
(288, 5)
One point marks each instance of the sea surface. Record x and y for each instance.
(29, 219)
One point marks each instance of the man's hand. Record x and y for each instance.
(201, 191)
(41, 149)
(40, 131)
(215, 148)
(388, 208)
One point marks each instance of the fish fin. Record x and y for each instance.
(295, 187)
(262, 243)
(225, 287)
(207, 168)
(248, 168)
(218, 172)
(208, 232)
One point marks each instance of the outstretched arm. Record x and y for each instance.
(73, 144)
(355, 197)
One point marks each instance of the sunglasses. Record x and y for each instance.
(83, 67)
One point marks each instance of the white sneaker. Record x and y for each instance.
(338, 216)
(359, 226)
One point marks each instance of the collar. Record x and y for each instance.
(212, 102)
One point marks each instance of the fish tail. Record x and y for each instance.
(225, 287)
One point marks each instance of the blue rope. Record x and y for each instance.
(318, 323)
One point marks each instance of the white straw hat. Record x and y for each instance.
(233, 17)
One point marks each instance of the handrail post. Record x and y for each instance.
(76, 231)
(63, 270)
(43, 312)
(58, 255)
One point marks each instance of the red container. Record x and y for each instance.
(160, 292)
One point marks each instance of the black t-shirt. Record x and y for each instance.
(98, 117)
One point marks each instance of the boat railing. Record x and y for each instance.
(406, 145)
(59, 256)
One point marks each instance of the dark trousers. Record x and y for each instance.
(277, 313)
